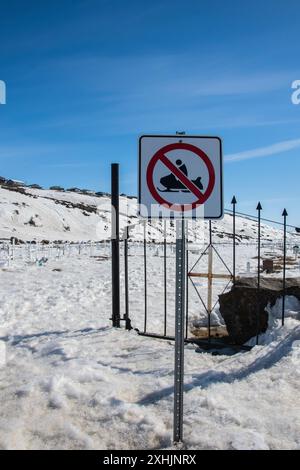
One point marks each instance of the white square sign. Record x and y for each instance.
(180, 176)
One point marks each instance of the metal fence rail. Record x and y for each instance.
(36, 252)
(165, 248)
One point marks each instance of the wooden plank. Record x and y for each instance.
(212, 276)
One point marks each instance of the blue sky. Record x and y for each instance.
(86, 78)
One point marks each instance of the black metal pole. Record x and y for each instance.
(259, 209)
(145, 278)
(126, 315)
(165, 279)
(126, 272)
(233, 202)
(115, 245)
(285, 214)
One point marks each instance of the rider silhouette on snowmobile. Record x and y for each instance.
(172, 184)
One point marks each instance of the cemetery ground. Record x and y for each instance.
(68, 380)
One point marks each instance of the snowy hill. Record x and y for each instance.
(38, 214)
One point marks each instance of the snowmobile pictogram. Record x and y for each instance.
(174, 185)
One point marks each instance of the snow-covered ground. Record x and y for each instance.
(70, 381)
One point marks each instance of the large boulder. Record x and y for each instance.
(243, 308)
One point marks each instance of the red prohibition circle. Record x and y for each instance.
(160, 154)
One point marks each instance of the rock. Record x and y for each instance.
(35, 186)
(57, 188)
(239, 307)
(268, 266)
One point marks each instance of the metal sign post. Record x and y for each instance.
(180, 177)
(179, 331)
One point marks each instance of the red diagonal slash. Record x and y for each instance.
(160, 155)
(182, 177)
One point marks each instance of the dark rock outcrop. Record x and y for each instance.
(57, 188)
(240, 306)
(35, 186)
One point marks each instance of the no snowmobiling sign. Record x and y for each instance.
(180, 177)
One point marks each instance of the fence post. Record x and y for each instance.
(8, 254)
(13, 242)
(209, 280)
(165, 278)
(284, 214)
(115, 245)
(145, 276)
(187, 283)
(126, 315)
(233, 202)
(259, 209)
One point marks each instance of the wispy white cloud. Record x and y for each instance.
(273, 200)
(8, 152)
(156, 77)
(274, 149)
(72, 165)
(43, 150)
(126, 94)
